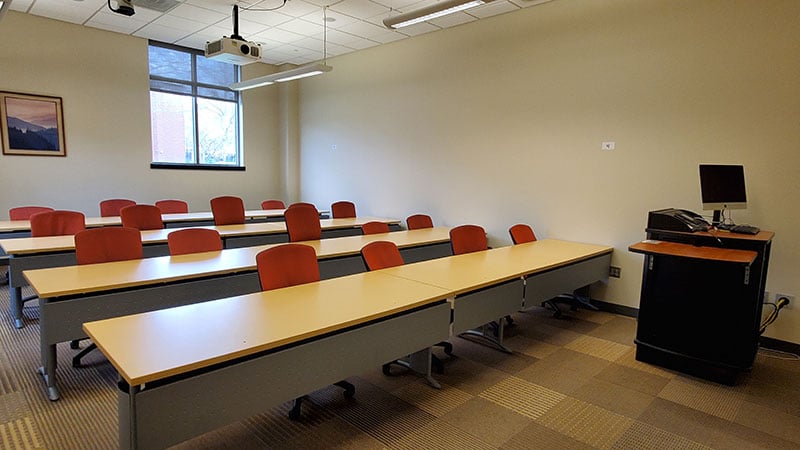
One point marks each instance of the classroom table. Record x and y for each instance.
(175, 385)
(54, 251)
(72, 295)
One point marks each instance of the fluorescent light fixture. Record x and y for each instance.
(439, 9)
(287, 75)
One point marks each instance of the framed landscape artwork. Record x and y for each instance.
(31, 125)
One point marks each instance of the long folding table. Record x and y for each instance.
(261, 349)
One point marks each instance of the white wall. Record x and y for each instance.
(501, 120)
(102, 78)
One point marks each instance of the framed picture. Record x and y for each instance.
(31, 125)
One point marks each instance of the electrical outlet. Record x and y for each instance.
(788, 296)
(614, 271)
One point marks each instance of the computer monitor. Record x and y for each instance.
(722, 187)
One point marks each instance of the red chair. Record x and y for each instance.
(193, 240)
(142, 217)
(521, 233)
(100, 245)
(289, 265)
(272, 204)
(173, 206)
(302, 223)
(111, 207)
(227, 210)
(57, 223)
(375, 227)
(418, 221)
(25, 212)
(381, 255)
(303, 204)
(468, 239)
(343, 209)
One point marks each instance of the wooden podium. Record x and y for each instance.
(701, 300)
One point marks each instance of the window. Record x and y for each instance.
(193, 114)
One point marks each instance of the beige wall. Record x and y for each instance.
(102, 78)
(501, 121)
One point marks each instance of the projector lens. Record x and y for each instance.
(245, 49)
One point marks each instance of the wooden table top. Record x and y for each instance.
(69, 280)
(694, 251)
(167, 340)
(91, 222)
(32, 245)
(471, 271)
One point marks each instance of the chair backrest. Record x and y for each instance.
(227, 210)
(193, 240)
(112, 206)
(468, 239)
(381, 254)
(141, 217)
(287, 265)
(375, 227)
(343, 209)
(25, 212)
(172, 206)
(273, 204)
(521, 233)
(302, 223)
(57, 223)
(302, 204)
(107, 244)
(417, 221)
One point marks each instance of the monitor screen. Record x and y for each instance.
(722, 187)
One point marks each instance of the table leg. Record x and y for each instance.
(420, 362)
(48, 370)
(15, 295)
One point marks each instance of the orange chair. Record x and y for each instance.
(343, 209)
(289, 265)
(25, 212)
(173, 206)
(100, 245)
(193, 240)
(468, 239)
(111, 207)
(142, 217)
(272, 204)
(418, 221)
(302, 223)
(380, 255)
(57, 223)
(52, 223)
(521, 233)
(227, 210)
(375, 227)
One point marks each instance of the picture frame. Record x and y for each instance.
(31, 125)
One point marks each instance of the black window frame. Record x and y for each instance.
(195, 87)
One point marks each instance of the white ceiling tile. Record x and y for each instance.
(397, 4)
(193, 41)
(363, 29)
(335, 19)
(178, 23)
(275, 34)
(295, 8)
(338, 37)
(266, 18)
(67, 11)
(161, 33)
(310, 44)
(528, 3)
(389, 36)
(360, 9)
(492, 9)
(336, 50)
(321, 3)
(21, 5)
(108, 20)
(197, 14)
(301, 26)
(247, 29)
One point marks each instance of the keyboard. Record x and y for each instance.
(744, 229)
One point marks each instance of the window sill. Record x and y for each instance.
(177, 166)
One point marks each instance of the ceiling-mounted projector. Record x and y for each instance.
(233, 51)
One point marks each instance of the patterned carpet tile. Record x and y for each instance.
(586, 423)
(522, 397)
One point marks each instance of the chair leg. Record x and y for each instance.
(75, 344)
(349, 389)
(447, 347)
(294, 413)
(76, 360)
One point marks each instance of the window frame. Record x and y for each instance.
(195, 87)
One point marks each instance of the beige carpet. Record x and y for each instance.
(571, 383)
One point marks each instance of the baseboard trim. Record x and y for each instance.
(616, 309)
